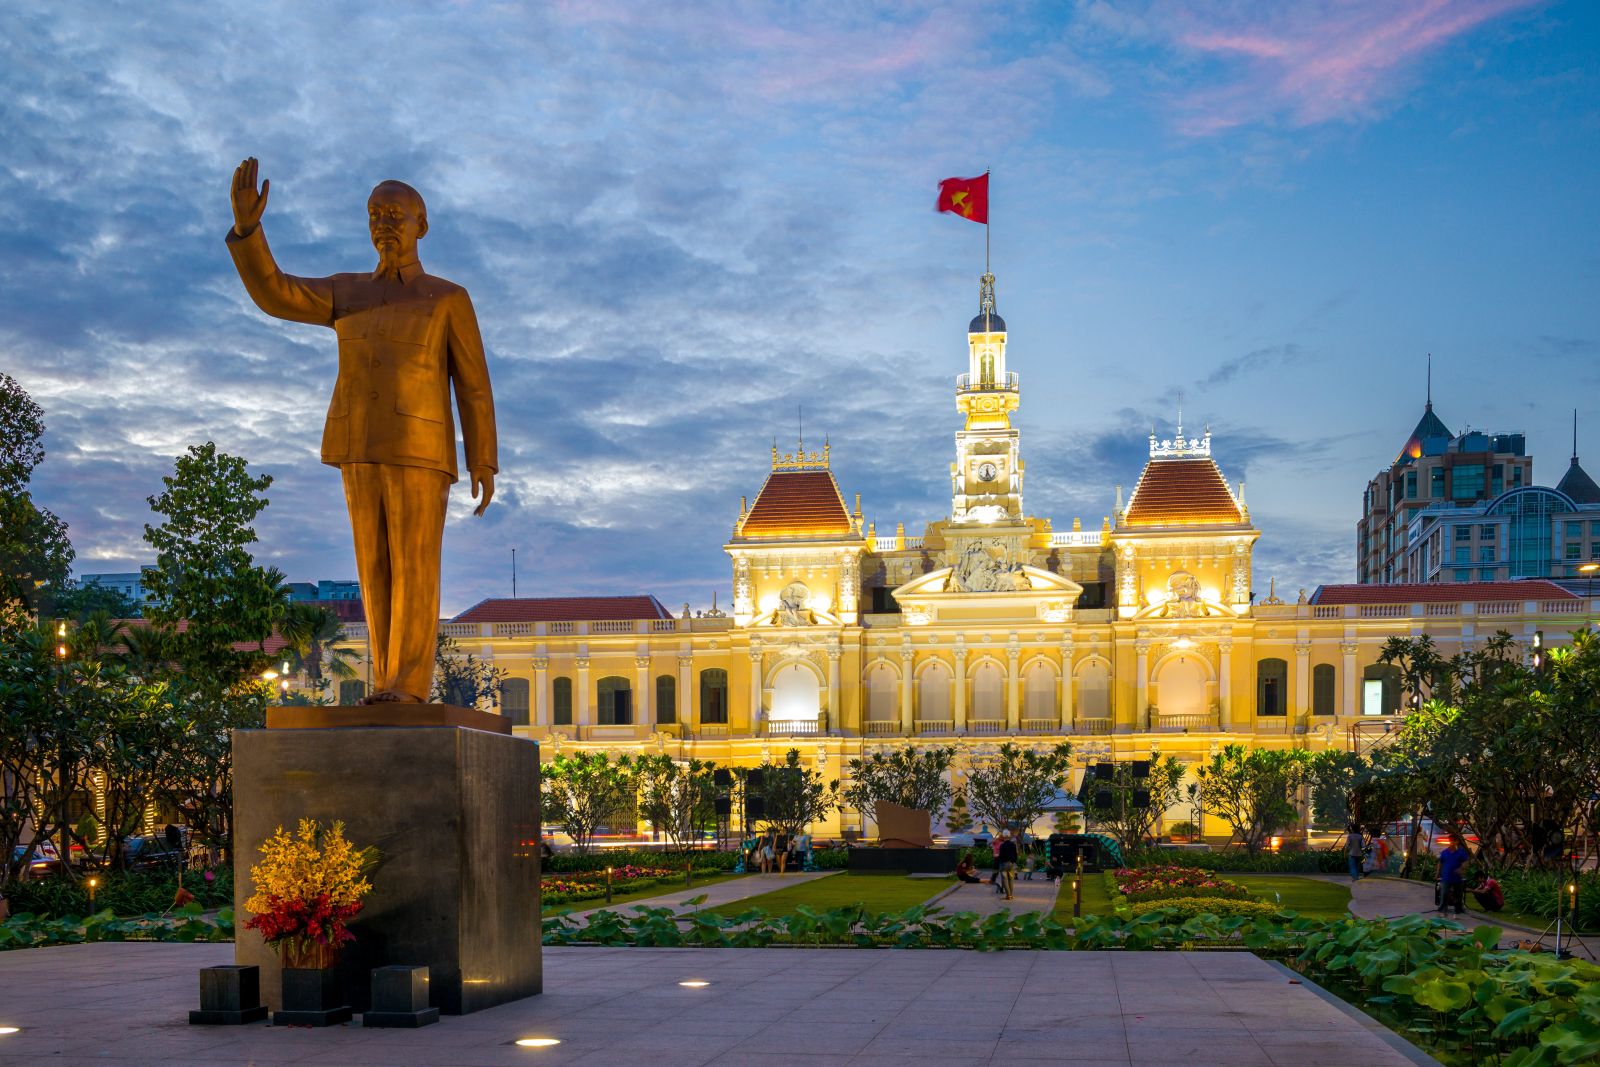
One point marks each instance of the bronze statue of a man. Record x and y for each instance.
(405, 338)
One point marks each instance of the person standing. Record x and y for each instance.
(1007, 857)
(1452, 877)
(1355, 849)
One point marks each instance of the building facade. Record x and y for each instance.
(1137, 638)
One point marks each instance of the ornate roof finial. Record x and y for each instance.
(1429, 405)
(986, 298)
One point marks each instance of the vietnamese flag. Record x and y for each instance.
(967, 197)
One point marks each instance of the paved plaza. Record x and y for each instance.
(126, 1004)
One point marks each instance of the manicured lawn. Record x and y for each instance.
(1308, 896)
(875, 892)
(671, 885)
(1096, 898)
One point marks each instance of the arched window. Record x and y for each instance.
(514, 700)
(933, 693)
(352, 692)
(1272, 685)
(881, 694)
(561, 702)
(714, 695)
(1094, 690)
(615, 699)
(1039, 691)
(796, 696)
(666, 698)
(1380, 689)
(988, 691)
(1180, 688)
(1324, 689)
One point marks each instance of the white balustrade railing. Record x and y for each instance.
(986, 726)
(1040, 726)
(884, 728)
(935, 726)
(1092, 726)
(1070, 538)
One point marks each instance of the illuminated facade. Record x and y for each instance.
(1134, 638)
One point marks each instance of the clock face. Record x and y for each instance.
(987, 472)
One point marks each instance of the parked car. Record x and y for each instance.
(151, 853)
(46, 860)
(1430, 838)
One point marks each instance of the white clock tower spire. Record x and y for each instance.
(986, 478)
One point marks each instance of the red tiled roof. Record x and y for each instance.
(272, 645)
(798, 504)
(1440, 592)
(1186, 491)
(564, 609)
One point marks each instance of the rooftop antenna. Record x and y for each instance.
(513, 574)
(1430, 382)
(1180, 416)
(1574, 436)
(800, 421)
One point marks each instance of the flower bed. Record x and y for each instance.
(1178, 909)
(591, 885)
(1171, 883)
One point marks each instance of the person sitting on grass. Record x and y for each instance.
(967, 871)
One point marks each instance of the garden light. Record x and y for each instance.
(8, 1030)
(537, 1042)
(695, 984)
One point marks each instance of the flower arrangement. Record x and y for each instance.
(309, 885)
(1160, 883)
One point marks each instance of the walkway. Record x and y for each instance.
(126, 1004)
(1389, 898)
(1037, 895)
(723, 892)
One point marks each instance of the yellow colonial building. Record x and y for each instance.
(1139, 636)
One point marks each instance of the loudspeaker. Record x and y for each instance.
(1103, 771)
(1141, 768)
(723, 805)
(722, 778)
(1141, 798)
(755, 781)
(755, 807)
(1102, 798)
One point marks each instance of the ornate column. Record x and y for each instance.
(641, 703)
(1066, 686)
(834, 719)
(1347, 679)
(1225, 683)
(755, 690)
(541, 690)
(585, 709)
(1141, 682)
(1013, 704)
(686, 704)
(908, 682)
(961, 690)
(1302, 681)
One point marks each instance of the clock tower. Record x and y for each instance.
(986, 478)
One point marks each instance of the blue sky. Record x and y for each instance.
(680, 222)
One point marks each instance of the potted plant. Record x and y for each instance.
(1180, 833)
(308, 886)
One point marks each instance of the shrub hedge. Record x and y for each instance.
(119, 892)
(1238, 861)
(186, 924)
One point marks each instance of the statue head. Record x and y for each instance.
(397, 219)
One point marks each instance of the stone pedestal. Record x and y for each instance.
(455, 812)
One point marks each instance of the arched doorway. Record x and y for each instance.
(881, 685)
(1180, 687)
(988, 691)
(796, 696)
(933, 694)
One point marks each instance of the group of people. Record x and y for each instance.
(1004, 878)
(773, 851)
(1373, 857)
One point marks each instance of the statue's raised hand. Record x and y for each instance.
(248, 203)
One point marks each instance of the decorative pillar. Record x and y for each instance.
(961, 690)
(755, 690)
(833, 719)
(687, 715)
(1013, 704)
(1348, 681)
(1225, 683)
(1066, 687)
(641, 703)
(585, 709)
(908, 681)
(541, 690)
(1141, 683)
(1302, 681)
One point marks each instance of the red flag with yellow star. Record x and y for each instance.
(967, 197)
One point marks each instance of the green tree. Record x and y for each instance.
(911, 777)
(1120, 814)
(463, 679)
(1012, 787)
(585, 791)
(959, 818)
(677, 798)
(34, 550)
(81, 601)
(795, 796)
(315, 645)
(1250, 790)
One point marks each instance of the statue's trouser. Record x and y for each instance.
(397, 517)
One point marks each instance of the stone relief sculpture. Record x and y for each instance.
(982, 567)
(793, 606)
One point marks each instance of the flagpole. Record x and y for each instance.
(986, 233)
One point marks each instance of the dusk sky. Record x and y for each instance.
(679, 223)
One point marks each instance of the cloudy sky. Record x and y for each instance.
(679, 223)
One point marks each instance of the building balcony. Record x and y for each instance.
(1006, 383)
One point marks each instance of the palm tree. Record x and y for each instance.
(314, 643)
(146, 650)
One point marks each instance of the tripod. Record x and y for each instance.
(1562, 950)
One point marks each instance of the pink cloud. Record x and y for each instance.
(1317, 62)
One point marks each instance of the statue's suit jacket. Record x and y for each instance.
(401, 347)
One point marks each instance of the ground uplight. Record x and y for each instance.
(695, 984)
(9, 1029)
(538, 1042)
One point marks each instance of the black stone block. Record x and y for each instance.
(331, 1017)
(407, 1020)
(312, 996)
(399, 987)
(229, 995)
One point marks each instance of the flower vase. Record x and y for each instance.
(313, 987)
